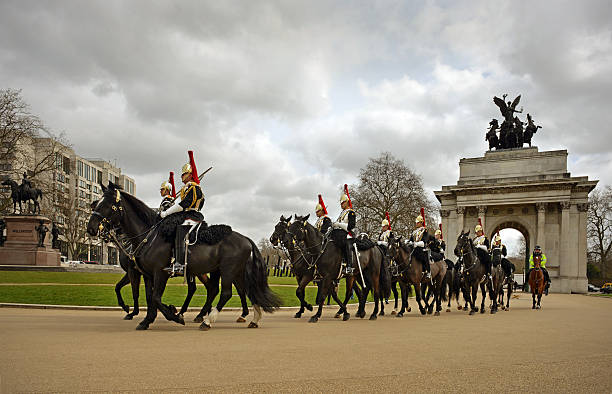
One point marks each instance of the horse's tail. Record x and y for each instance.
(384, 280)
(256, 279)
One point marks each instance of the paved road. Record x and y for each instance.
(565, 347)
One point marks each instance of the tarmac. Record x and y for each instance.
(564, 347)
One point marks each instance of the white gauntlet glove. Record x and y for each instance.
(343, 226)
(419, 244)
(171, 210)
(483, 247)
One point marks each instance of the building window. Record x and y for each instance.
(99, 176)
(80, 167)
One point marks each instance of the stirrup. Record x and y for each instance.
(174, 269)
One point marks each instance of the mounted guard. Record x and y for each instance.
(537, 251)
(347, 221)
(192, 200)
(420, 238)
(437, 246)
(482, 242)
(323, 222)
(165, 190)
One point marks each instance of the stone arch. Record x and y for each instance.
(519, 224)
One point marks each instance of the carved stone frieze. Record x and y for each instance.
(445, 213)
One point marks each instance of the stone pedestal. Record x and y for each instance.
(21, 245)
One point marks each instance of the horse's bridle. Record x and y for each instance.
(304, 251)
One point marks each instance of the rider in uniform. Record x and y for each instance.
(482, 242)
(437, 246)
(537, 251)
(385, 234)
(507, 266)
(346, 221)
(323, 222)
(418, 238)
(192, 199)
(165, 191)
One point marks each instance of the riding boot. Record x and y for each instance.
(547, 279)
(180, 249)
(426, 265)
(349, 256)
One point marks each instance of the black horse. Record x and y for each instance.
(328, 265)
(474, 271)
(235, 256)
(301, 261)
(24, 193)
(496, 283)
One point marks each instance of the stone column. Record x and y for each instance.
(541, 235)
(446, 230)
(482, 212)
(566, 260)
(582, 281)
(460, 215)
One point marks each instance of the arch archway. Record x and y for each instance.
(515, 224)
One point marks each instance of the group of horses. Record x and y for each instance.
(235, 260)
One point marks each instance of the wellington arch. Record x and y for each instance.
(529, 191)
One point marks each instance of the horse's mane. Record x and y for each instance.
(142, 210)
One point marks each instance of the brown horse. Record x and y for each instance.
(410, 261)
(536, 282)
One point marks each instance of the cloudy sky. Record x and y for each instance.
(289, 99)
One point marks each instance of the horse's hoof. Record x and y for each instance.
(476, 309)
(253, 325)
(493, 311)
(173, 309)
(393, 312)
(180, 319)
(128, 317)
(346, 316)
(437, 313)
(409, 309)
(460, 307)
(382, 313)
(482, 310)
(373, 317)
(240, 320)
(142, 327)
(204, 326)
(472, 312)
(309, 307)
(337, 315)
(507, 309)
(313, 319)
(448, 309)
(401, 314)
(297, 315)
(423, 311)
(533, 307)
(198, 319)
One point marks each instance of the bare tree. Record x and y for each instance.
(26, 145)
(73, 215)
(387, 184)
(599, 228)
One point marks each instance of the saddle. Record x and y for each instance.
(200, 233)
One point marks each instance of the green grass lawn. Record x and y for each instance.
(97, 289)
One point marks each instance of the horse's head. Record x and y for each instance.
(463, 242)
(496, 256)
(280, 230)
(108, 211)
(297, 229)
(537, 261)
(395, 243)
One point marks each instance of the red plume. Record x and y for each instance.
(423, 215)
(172, 183)
(441, 237)
(194, 170)
(480, 222)
(348, 195)
(388, 220)
(322, 204)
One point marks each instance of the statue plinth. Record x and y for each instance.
(22, 240)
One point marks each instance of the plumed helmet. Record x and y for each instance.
(478, 228)
(419, 219)
(496, 238)
(318, 208)
(166, 186)
(344, 198)
(438, 232)
(385, 222)
(186, 169)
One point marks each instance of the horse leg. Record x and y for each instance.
(509, 294)
(245, 306)
(483, 290)
(226, 294)
(417, 291)
(300, 293)
(350, 287)
(122, 282)
(191, 289)
(169, 311)
(134, 276)
(376, 293)
(394, 290)
(212, 289)
(533, 305)
(324, 288)
(473, 296)
(151, 308)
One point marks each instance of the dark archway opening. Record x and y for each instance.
(506, 230)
